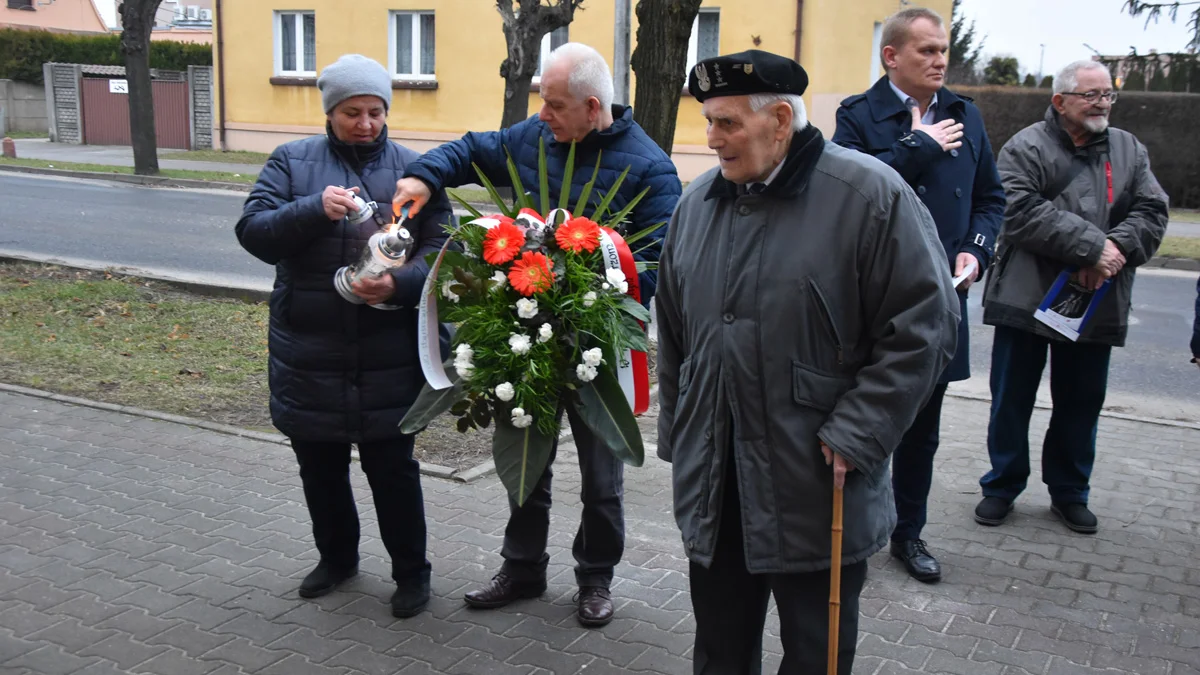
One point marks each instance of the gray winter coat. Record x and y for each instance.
(1041, 237)
(818, 311)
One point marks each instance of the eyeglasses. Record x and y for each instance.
(1093, 96)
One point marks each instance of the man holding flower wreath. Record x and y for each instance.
(576, 87)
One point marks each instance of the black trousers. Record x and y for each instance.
(912, 468)
(730, 606)
(600, 540)
(395, 481)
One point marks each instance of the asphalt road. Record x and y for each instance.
(188, 234)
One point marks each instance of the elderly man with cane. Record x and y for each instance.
(805, 312)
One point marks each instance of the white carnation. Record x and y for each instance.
(589, 298)
(519, 343)
(527, 308)
(505, 391)
(447, 293)
(593, 357)
(585, 372)
(464, 370)
(464, 348)
(545, 332)
(519, 419)
(605, 286)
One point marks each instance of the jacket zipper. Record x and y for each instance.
(828, 316)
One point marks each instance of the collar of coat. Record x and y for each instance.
(802, 155)
(622, 122)
(357, 155)
(885, 104)
(1054, 125)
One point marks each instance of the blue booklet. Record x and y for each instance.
(1068, 306)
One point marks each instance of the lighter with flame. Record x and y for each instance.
(385, 251)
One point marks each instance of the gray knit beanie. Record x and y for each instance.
(354, 75)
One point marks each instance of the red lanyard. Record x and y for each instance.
(1108, 175)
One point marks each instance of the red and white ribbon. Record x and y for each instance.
(633, 371)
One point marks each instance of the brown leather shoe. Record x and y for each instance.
(595, 606)
(503, 589)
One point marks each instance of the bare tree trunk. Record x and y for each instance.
(524, 27)
(137, 20)
(664, 27)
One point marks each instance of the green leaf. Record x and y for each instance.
(432, 402)
(646, 265)
(521, 456)
(598, 215)
(603, 407)
(523, 200)
(619, 217)
(464, 424)
(564, 195)
(587, 187)
(463, 203)
(496, 198)
(634, 237)
(635, 309)
(543, 178)
(459, 409)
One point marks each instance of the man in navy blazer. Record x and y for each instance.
(936, 141)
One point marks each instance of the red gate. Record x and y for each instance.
(106, 115)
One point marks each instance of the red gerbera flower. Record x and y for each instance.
(502, 243)
(578, 234)
(531, 274)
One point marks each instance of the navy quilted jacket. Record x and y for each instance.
(339, 372)
(622, 145)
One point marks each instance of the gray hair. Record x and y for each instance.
(589, 74)
(799, 114)
(1068, 78)
(896, 27)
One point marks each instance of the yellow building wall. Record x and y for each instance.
(836, 51)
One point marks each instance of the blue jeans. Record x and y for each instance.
(1078, 381)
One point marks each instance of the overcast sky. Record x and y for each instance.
(1020, 27)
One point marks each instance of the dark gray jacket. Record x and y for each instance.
(1041, 237)
(819, 311)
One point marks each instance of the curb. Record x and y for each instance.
(147, 181)
(435, 470)
(1103, 413)
(196, 287)
(1174, 264)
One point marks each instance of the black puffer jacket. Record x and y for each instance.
(339, 372)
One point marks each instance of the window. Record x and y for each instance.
(411, 40)
(295, 43)
(876, 45)
(21, 4)
(551, 41)
(705, 40)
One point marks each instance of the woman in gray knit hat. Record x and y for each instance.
(346, 372)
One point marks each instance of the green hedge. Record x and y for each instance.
(22, 52)
(1164, 122)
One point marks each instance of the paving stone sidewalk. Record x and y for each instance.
(129, 545)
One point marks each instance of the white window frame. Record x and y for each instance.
(876, 46)
(416, 44)
(545, 52)
(694, 38)
(299, 14)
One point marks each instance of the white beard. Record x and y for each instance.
(1096, 125)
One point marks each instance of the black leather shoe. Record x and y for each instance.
(324, 578)
(992, 511)
(920, 565)
(1077, 517)
(410, 599)
(595, 606)
(503, 589)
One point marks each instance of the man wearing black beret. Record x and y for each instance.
(804, 315)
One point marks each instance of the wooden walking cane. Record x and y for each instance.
(835, 582)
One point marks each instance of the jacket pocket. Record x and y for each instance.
(818, 390)
(827, 319)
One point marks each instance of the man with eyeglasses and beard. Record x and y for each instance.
(1081, 197)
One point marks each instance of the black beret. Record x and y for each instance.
(744, 73)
